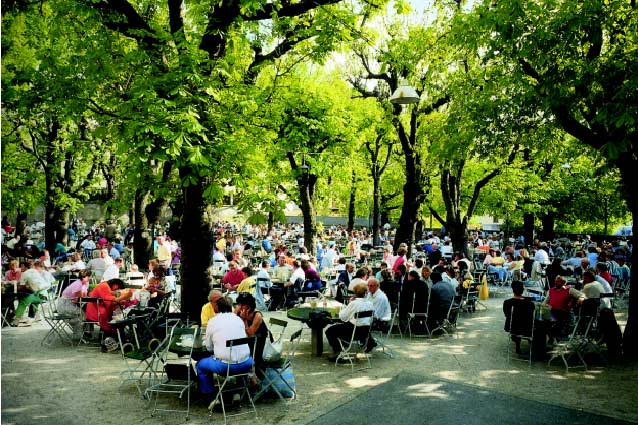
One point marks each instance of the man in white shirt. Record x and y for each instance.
(35, 284)
(360, 278)
(224, 326)
(113, 271)
(382, 310)
(347, 315)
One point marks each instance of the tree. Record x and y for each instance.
(202, 63)
(577, 61)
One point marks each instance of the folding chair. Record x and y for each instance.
(138, 358)
(357, 343)
(232, 382)
(8, 307)
(59, 323)
(448, 324)
(421, 317)
(277, 373)
(172, 376)
(521, 327)
(89, 325)
(381, 331)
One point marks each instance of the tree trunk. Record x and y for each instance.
(547, 232)
(21, 223)
(142, 239)
(351, 206)
(375, 211)
(306, 192)
(412, 199)
(629, 172)
(196, 249)
(457, 230)
(528, 228)
(271, 221)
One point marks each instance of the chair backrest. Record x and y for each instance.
(274, 322)
(251, 341)
(522, 320)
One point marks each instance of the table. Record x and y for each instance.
(303, 315)
(199, 350)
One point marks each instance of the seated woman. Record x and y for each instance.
(102, 312)
(312, 278)
(224, 326)
(68, 301)
(253, 322)
(157, 289)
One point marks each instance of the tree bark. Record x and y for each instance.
(306, 192)
(528, 228)
(351, 204)
(547, 232)
(375, 212)
(197, 247)
(142, 239)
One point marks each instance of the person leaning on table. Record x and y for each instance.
(223, 327)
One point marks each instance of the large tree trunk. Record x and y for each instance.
(271, 221)
(528, 228)
(21, 223)
(196, 249)
(629, 172)
(142, 240)
(351, 205)
(457, 230)
(412, 199)
(375, 211)
(547, 232)
(306, 196)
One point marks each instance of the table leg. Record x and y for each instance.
(316, 341)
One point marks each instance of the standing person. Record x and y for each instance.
(163, 252)
(224, 326)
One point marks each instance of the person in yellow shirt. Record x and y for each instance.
(210, 308)
(249, 283)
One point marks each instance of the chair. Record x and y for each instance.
(382, 330)
(277, 373)
(421, 317)
(358, 341)
(135, 280)
(448, 324)
(60, 324)
(522, 328)
(88, 325)
(173, 376)
(138, 359)
(232, 382)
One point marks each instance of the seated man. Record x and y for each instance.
(223, 327)
(210, 308)
(233, 276)
(523, 313)
(344, 330)
(382, 310)
(113, 271)
(441, 297)
(34, 285)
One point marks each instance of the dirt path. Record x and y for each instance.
(69, 385)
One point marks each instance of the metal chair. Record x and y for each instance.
(448, 324)
(89, 325)
(138, 358)
(276, 373)
(420, 317)
(233, 382)
(522, 328)
(60, 324)
(358, 341)
(172, 376)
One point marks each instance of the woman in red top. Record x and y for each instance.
(102, 312)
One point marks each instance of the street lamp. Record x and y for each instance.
(404, 94)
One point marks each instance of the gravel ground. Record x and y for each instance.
(79, 385)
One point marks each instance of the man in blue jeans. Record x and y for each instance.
(223, 327)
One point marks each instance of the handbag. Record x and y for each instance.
(272, 350)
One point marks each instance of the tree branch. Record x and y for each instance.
(437, 216)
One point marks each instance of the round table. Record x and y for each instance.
(303, 315)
